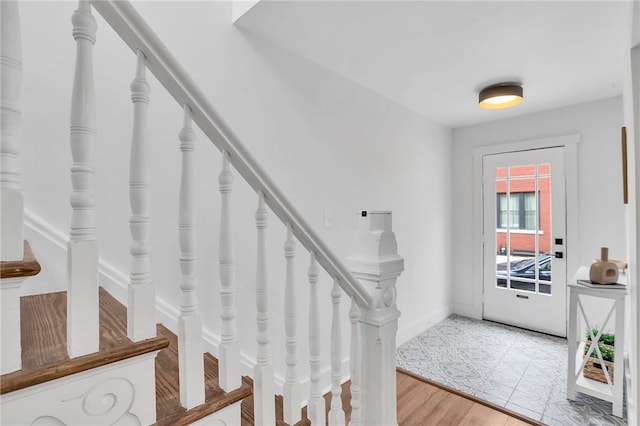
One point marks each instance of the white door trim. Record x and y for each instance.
(570, 144)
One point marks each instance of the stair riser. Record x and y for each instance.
(123, 391)
(10, 288)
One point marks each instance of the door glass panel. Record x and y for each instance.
(523, 234)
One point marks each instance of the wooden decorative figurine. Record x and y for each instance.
(603, 271)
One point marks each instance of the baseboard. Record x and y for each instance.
(49, 246)
(470, 311)
(412, 330)
(633, 414)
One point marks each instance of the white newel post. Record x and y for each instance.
(376, 263)
(82, 253)
(141, 322)
(11, 200)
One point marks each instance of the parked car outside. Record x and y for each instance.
(523, 274)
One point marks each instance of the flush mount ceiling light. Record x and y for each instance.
(498, 96)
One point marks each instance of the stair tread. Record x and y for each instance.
(44, 340)
(26, 267)
(168, 408)
(45, 357)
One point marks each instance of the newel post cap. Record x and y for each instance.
(374, 256)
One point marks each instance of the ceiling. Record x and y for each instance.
(435, 56)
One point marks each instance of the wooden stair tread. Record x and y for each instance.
(44, 340)
(26, 267)
(168, 408)
(45, 357)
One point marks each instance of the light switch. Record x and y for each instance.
(328, 218)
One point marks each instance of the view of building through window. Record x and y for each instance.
(523, 227)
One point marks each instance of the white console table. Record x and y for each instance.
(576, 382)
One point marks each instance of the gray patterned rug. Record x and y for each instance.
(518, 369)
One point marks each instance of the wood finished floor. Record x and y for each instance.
(422, 403)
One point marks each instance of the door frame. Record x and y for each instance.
(570, 144)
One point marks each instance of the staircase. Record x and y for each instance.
(83, 357)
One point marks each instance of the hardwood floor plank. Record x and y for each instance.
(476, 400)
(480, 415)
(512, 421)
(412, 396)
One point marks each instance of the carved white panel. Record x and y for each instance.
(229, 416)
(122, 393)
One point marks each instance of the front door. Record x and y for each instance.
(524, 239)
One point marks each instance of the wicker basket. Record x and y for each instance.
(593, 369)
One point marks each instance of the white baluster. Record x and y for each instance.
(316, 406)
(190, 352)
(263, 392)
(229, 353)
(82, 295)
(336, 414)
(141, 322)
(355, 365)
(11, 198)
(292, 413)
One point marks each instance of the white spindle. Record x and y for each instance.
(82, 295)
(336, 414)
(229, 353)
(355, 365)
(141, 323)
(190, 352)
(292, 413)
(11, 199)
(263, 392)
(316, 405)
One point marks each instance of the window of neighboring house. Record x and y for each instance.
(521, 212)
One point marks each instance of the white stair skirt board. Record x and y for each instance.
(119, 393)
(228, 416)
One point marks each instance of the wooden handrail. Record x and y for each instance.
(137, 34)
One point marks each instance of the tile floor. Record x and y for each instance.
(521, 370)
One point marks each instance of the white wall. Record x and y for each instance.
(328, 143)
(601, 211)
(631, 98)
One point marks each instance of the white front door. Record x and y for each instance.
(525, 239)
